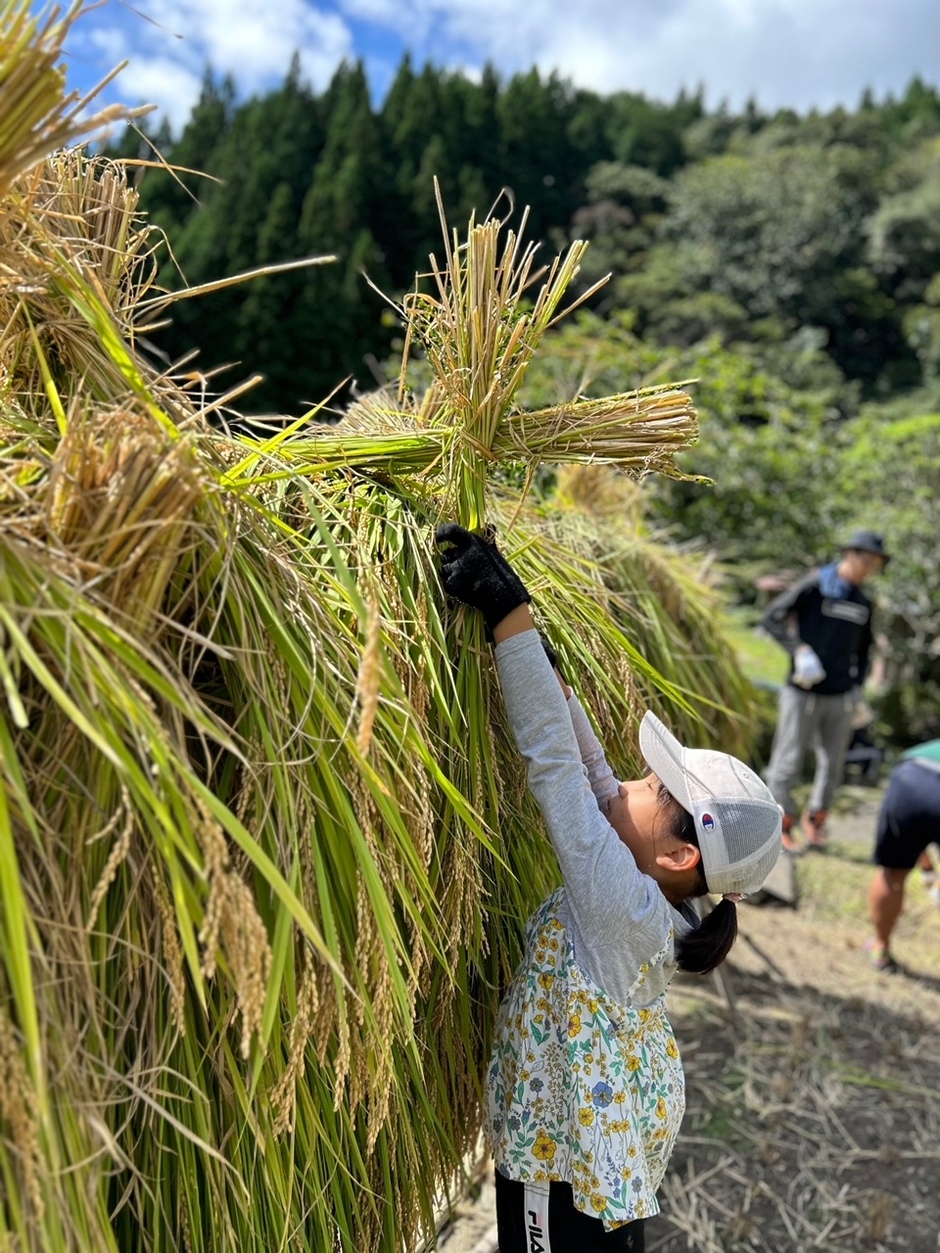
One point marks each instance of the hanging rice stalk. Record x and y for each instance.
(36, 114)
(265, 849)
(667, 599)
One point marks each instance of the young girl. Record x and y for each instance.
(585, 1088)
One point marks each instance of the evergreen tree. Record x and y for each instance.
(337, 314)
(648, 134)
(436, 125)
(173, 197)
(409, 123)
(748, 226)
(540, 164)
(588, 128)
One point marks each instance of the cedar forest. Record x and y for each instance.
(789, 263)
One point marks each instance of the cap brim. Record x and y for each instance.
(664, 755)
(866, 548)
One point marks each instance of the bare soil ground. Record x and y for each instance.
(813, 1115)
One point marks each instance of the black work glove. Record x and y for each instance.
(474, 571)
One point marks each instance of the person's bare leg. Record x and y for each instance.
(885, 901)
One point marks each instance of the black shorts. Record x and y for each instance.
(910, 816)
(527, 1225)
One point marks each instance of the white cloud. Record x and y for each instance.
(170, 85)
(253, 38)
(169, 43)
(798, 53)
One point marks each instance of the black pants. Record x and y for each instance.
(527, 1225)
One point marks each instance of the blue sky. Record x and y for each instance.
(797, 53)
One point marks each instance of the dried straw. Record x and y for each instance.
(813, 1123)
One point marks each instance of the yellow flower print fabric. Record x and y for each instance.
(581, 1088)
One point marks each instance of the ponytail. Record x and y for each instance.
(709, 944)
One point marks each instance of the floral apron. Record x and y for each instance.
(581, 1088)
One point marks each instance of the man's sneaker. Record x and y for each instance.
(814, 827)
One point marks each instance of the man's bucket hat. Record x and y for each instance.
(867, 542)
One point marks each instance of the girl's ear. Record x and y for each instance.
(679, 857)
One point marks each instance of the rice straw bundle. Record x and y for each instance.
(667, 599)
(265, 849)
(479, 330)
(36, 115)
(637, 431)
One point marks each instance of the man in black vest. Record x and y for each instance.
(824, 623)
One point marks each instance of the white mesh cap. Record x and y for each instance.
(737, 820)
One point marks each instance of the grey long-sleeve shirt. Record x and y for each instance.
(618, 918)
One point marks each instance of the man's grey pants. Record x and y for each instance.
(806, 720)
